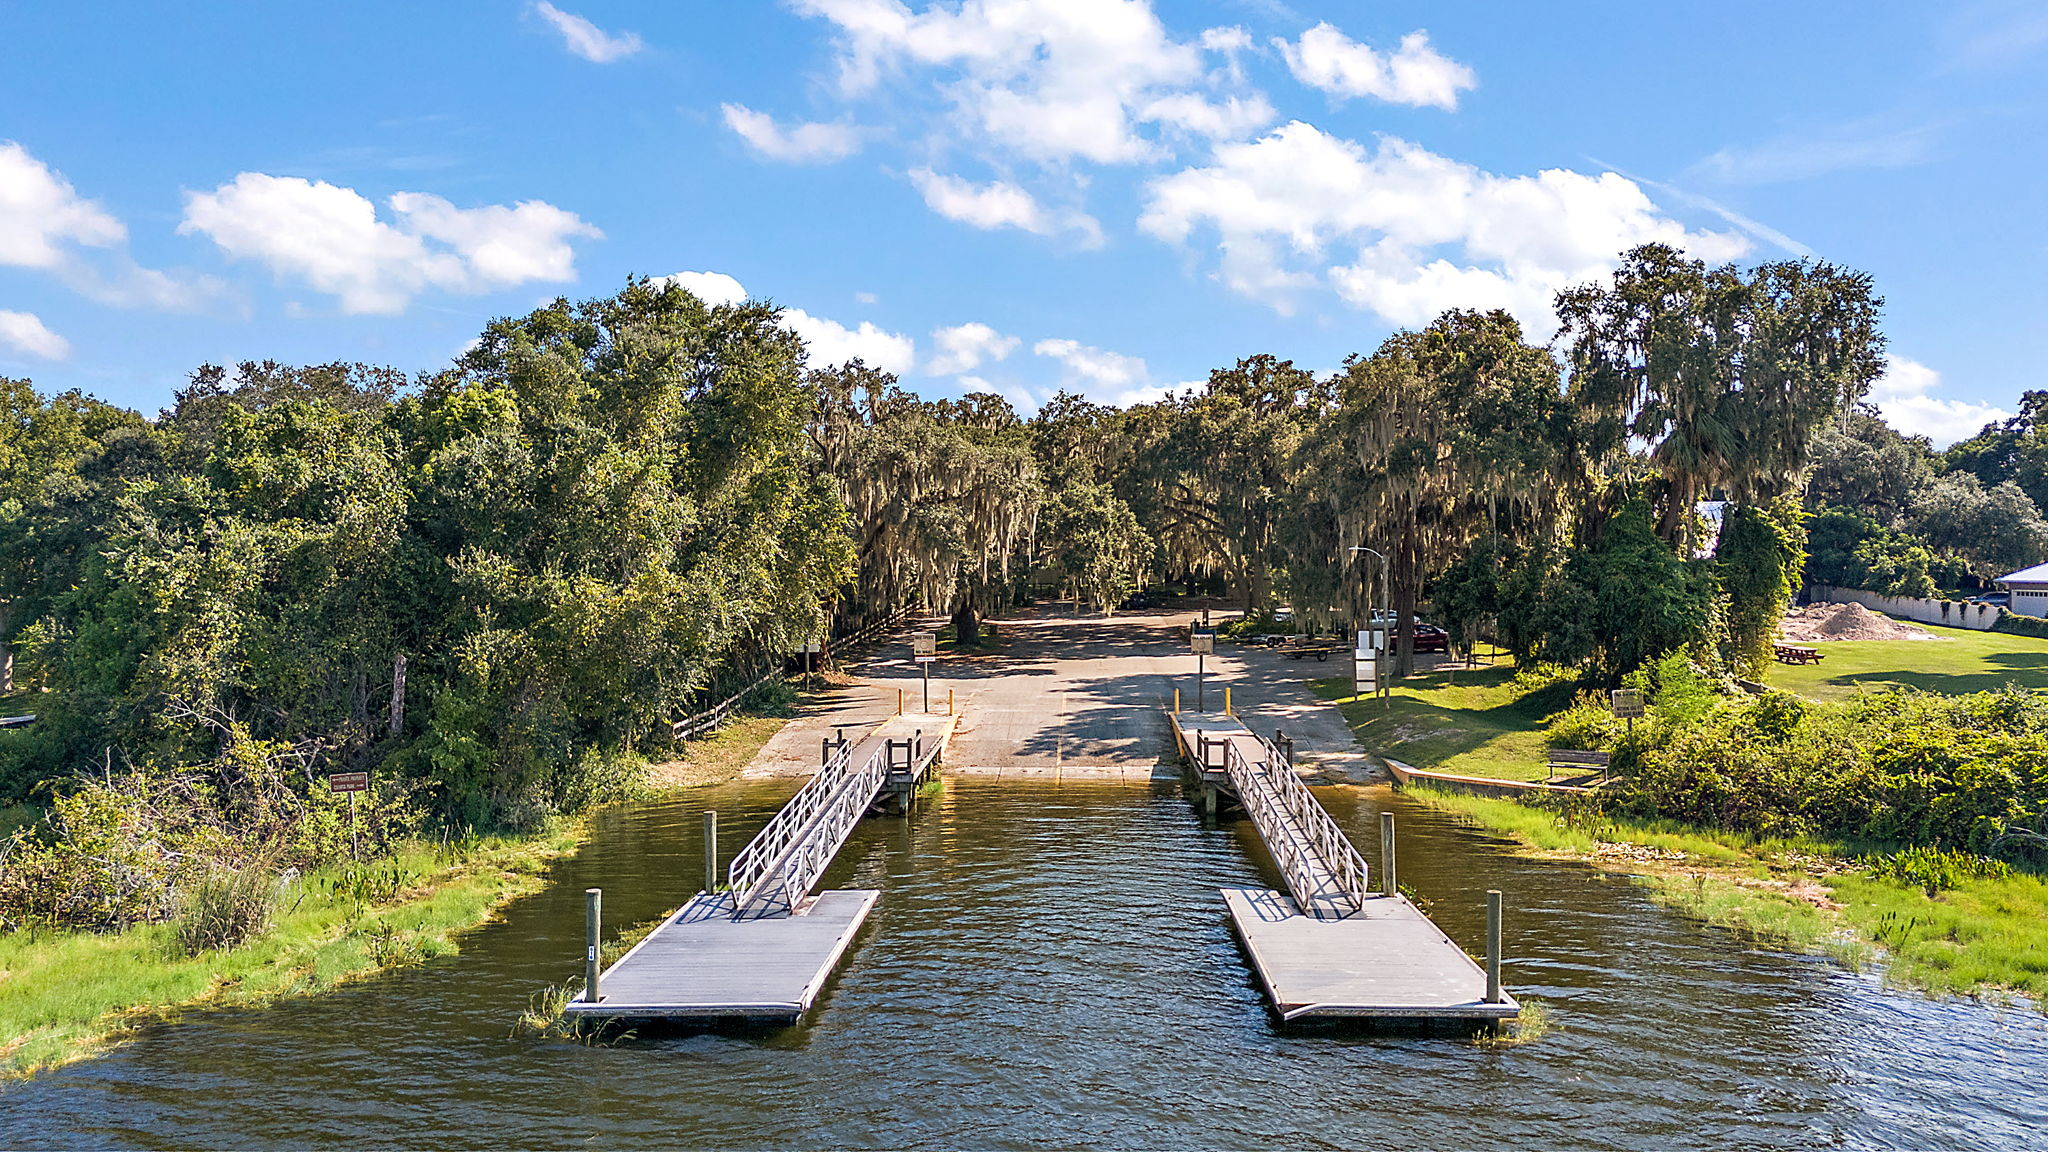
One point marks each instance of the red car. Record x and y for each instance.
(1430, 638)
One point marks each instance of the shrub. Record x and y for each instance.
(224, 908)
(1588, 724)
(1934, 871)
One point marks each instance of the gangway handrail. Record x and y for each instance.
(780, 865)
(1298, 831)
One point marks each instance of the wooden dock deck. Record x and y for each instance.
(702, 964)
(1386, 962)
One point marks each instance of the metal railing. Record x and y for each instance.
(711, 719)
(1319, 862)
(778, 867)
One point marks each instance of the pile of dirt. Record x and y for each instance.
(1821, 622)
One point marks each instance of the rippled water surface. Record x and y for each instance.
(1050, 966)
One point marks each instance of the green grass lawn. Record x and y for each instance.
(1474, 723)
(1961, 661)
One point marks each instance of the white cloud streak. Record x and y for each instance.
(1414, 74)
(801, 144)
(26, 332)
(585, 39)
(1000, 204)
(330, 238)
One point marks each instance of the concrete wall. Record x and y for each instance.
(1950, 613)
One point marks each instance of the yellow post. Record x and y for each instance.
(1226, 701)
(949, 701)
(899, 701)
(1176, 701)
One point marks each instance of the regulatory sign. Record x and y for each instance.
(1628, 703)
(925, 644)
(1202, 643)
(814, 646)
(348, 781)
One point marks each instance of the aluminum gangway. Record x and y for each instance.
(762, 947)
(1329, 946)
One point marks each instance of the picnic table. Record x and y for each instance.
(1797, 654)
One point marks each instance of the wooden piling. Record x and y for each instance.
(593, 903)
(1493, 946)
(710, 851)
(1389, 883)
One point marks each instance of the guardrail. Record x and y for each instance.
(1313, 853)
(778, 867)
(714, 717)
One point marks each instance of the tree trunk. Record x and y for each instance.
(966, 625)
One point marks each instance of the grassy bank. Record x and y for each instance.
(719, 757)
(1472, 722)
(1983, 936)
(1962, 660)
(66, 996)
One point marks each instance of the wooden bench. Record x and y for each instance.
(1571, 758)
(1797, 654)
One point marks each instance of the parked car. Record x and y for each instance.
(1430, 638)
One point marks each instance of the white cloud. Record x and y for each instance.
(866, 298)
(25, 332)
(1227, 119)
(1052, 80)
(1404, 232)
(331, 238)
(803, 144)
(1103, 376)
(586, 39)
(965, 347)
(41, 214)
(1905, 395)
(1414, 74)
(1000, 205)
(713, 288)
(833, 343)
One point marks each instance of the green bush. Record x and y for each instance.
(2019, 625)
(1589, 724)
(1934, 871)
(225, 908)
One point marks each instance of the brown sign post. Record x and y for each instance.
(351, 783)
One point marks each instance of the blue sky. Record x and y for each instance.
(1112, 196)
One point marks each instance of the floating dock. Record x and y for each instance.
(701, 964)
(1330, 945)
(763, 947)
(1385, 962)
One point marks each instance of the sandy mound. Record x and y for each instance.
(1818, 622)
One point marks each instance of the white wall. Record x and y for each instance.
(1953, 613)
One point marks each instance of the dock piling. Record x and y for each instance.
(1389, 883)
(1493, 946)
(593, 903)
(710, 851)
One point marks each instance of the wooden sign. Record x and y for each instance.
(1202, 643)
(1628, 703)
(348, 781)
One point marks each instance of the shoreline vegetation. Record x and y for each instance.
(69, 995)
(1724, 810)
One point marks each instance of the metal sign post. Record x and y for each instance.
(1202, 643)
(925, 645)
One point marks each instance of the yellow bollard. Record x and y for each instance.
(1226, 701)
(1176, 701)
(899, 701)
(949, 701)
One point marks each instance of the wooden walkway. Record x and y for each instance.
(764, 947)
(1329, 946)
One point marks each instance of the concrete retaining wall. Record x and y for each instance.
(1949, 613)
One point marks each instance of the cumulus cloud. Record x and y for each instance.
(585, 39)
(42, 215)
(1414, 74)
(713, 288)
(965, 347)
(1403, 232)
(999, 204)
(1905, 394)
(26, 332)
(802, 144)
(331, 238)
(1103, 376)
(833, 343)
